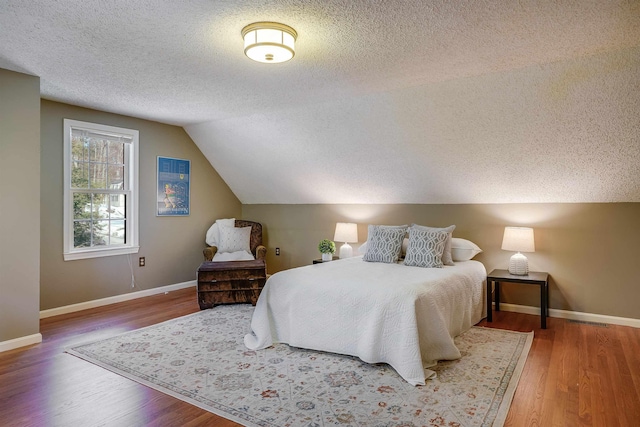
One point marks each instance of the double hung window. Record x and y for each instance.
(101, 190)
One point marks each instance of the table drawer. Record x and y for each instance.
(229, 292)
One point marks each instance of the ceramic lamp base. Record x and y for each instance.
(346, 251)
(519, 265)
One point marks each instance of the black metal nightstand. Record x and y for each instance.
(533, 278)
(320, 261)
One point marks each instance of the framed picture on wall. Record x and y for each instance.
(173, 179)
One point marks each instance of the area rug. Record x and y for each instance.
(201, 359)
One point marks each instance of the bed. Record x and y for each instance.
(382, 313)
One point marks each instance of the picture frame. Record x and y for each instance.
(173, 178)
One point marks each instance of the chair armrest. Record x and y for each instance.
(261, 252)
(209, 252)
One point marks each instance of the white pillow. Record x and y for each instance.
(463, 250)
(234, 239)
(233, 256)
(213, 234)
(363, 248)
(446, 255)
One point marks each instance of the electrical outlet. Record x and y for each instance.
(141, 261)
(277, 251)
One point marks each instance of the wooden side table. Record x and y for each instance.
(533, 278)
(230, 282)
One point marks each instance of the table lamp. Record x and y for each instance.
(346, 232)
(519, 239)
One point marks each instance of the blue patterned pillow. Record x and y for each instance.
(425, 248)
(384, 243)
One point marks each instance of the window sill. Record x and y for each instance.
(98, 253)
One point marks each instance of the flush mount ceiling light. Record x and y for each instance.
(269, 42)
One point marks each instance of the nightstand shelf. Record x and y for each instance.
(533, 278)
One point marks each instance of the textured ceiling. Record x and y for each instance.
(418, 101)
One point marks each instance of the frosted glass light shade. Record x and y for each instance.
(519, 239)
(269, 42)
(346, 232)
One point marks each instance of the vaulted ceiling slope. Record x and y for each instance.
(416, 101)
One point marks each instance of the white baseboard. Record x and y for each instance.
(573, 315)
(114, 299)
(20, 342)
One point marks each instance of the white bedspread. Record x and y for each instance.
(382, 313)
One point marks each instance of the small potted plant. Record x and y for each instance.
(327, 249)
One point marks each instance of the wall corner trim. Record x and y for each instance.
(573, 315)
(114, 299)
(20, 342)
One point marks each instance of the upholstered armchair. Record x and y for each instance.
(258, 251)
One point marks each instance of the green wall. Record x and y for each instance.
(20, 205)
(172, 246)
(590, 249)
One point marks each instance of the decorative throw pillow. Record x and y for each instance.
(234, 239)
(425, 248)
(463, 250)
(404, 227)
(446, 254)
(213, 234)
(405, 245)
(384, 243)
(232, 256)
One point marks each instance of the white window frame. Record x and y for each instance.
(131, 188)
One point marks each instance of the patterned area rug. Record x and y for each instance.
(201, 359)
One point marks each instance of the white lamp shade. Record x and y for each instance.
(346, 232)
(269, 42)
(519, 239)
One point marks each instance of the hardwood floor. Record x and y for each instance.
(576, 374)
